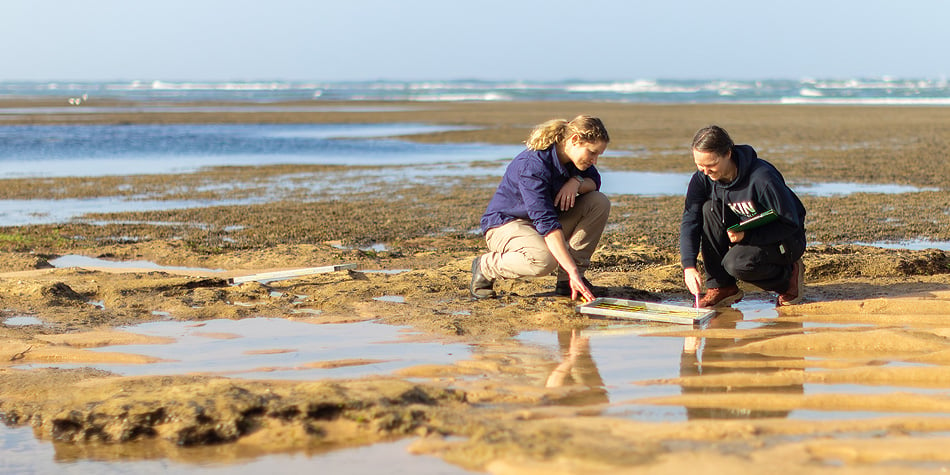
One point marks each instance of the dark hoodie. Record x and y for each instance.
(758, 187)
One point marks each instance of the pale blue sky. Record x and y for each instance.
(321, 40)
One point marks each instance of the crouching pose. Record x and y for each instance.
(547, 213)
(733, 184)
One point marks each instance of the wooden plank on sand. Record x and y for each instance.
(289, 274)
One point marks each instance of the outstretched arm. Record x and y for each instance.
(558, 247)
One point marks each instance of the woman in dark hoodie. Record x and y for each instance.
(733, 184)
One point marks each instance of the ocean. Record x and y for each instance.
(869, 91)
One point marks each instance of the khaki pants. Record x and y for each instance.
(517, 250)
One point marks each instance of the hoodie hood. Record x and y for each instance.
(743, 156)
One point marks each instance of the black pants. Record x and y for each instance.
(768, 267)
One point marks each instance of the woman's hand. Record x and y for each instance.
(566, 196)
(693, 280)
(579, 289)
(558, 247)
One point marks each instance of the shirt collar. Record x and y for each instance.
(557, 162)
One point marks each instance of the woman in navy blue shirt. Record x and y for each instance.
(547, 213)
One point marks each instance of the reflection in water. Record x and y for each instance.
(276, 348)
(698, 353)
(22, 453)
(577, 368)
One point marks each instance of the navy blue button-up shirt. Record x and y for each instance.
(528, 188)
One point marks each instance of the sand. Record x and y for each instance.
(873, 317)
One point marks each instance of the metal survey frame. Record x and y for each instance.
(649, 311)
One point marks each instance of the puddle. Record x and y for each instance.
(665, 184)
(812, 325)
(910, 244)
(23, 453)
(17, 212)
(385, 271)
(73, 260)
(27, 212)
(22, 321)
(612, 359)
(814, 415)
(615, 357)
(644, 183)
(865, 389)
(834, 188)
(273, 348)
(375, 247)
(391, 298)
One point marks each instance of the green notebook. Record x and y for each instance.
(764, 217)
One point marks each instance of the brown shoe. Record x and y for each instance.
(796, 286)
(721, 297)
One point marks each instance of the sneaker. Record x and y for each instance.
(563, 287)
(721, 297)
(481, 286)
(796, 286)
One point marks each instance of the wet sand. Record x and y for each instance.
(874, 318)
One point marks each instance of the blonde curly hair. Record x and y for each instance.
(587, 128)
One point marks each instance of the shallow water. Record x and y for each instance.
(844, 188)
(614, 359)
(621, 354)
(665, 184)
(912, 244)
(276, 348)
(23, 454)
(14, 112)
(99, 150)
(644, 183)
(26, 212)
(22, 321)
(73, 260)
